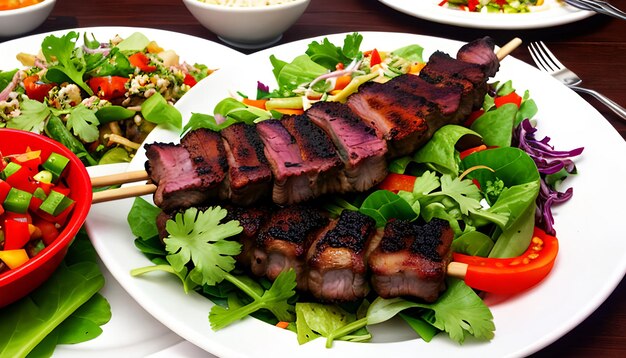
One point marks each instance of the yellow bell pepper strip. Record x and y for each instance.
(512, 275)
(14, 258)
(16, 234)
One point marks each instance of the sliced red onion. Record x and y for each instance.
(10, 87)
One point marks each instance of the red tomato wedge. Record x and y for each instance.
(512, 275)
(396, 182)
(108, 87)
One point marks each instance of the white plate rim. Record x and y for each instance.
(227, 342)
(430, 10)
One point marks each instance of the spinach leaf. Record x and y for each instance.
(156, 110)
(141, 219)
(113, 113)
(6, 77)
(65, 296)
(496, 126)
(440, 150)
(412, 53)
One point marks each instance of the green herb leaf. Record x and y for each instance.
(83, 122)
(68, 63)
(33, 117)
(27, 322)
(198, 236)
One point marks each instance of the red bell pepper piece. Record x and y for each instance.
(141, 61)
(189, 80)
(16, 234)
(396, 182)
(509, 98)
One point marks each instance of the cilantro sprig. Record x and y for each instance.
(199, 253)
(69, 62)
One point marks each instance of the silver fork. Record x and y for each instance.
(547, 62)
(599, 6)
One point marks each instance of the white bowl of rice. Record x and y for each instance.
(247, 23)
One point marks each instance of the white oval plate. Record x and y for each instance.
(131, 331)
(591, 262)
(551, 13)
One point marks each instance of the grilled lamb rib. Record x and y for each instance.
(411, 260)
(337, 259)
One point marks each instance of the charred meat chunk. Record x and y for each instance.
(337, 260)
(284, 240)
(249, 176)
(411, 260)
(180, 181)
(480, 52)
(361, 151)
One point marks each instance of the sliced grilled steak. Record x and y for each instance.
(480, 52)
(445, 71)
(361, 151)
(337, 260)
(249, 177)
(318, 153)
(180, 182)
(398, 116)
(284, 240)
(411, 260)
(206, 150)
(447, 99)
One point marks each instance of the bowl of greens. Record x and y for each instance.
(45, 196)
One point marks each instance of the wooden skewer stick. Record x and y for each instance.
(508, 48)
(121, 178)
(121, 193)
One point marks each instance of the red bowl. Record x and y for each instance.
(20, 281)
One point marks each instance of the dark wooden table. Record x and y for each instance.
(595, 48)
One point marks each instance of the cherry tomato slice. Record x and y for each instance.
(512, 275)
(36, 89)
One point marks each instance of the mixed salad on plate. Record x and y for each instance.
(496, 196)
(100, 99)
(494, 6)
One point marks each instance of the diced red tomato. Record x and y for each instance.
(396, 182)
(141, 61)
(189, 80)
(472, 4)
(512, 275)
(49, 231)
(4, 190)
(108, 87)
(340, 66)
(375, 58)
(512, 97)
(36, 89)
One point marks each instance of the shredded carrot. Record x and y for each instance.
(342, 82)
(290, 111)
(258, 103)
(282, 324)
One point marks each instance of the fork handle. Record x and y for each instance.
(619, 110)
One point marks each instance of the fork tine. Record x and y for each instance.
(551, 56)
(537, 55)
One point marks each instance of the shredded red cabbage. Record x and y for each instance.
(548, 161)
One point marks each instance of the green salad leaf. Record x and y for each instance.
(329, 55)
(33, 117)
(68, 61)
(65, 309)
(156, 110)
